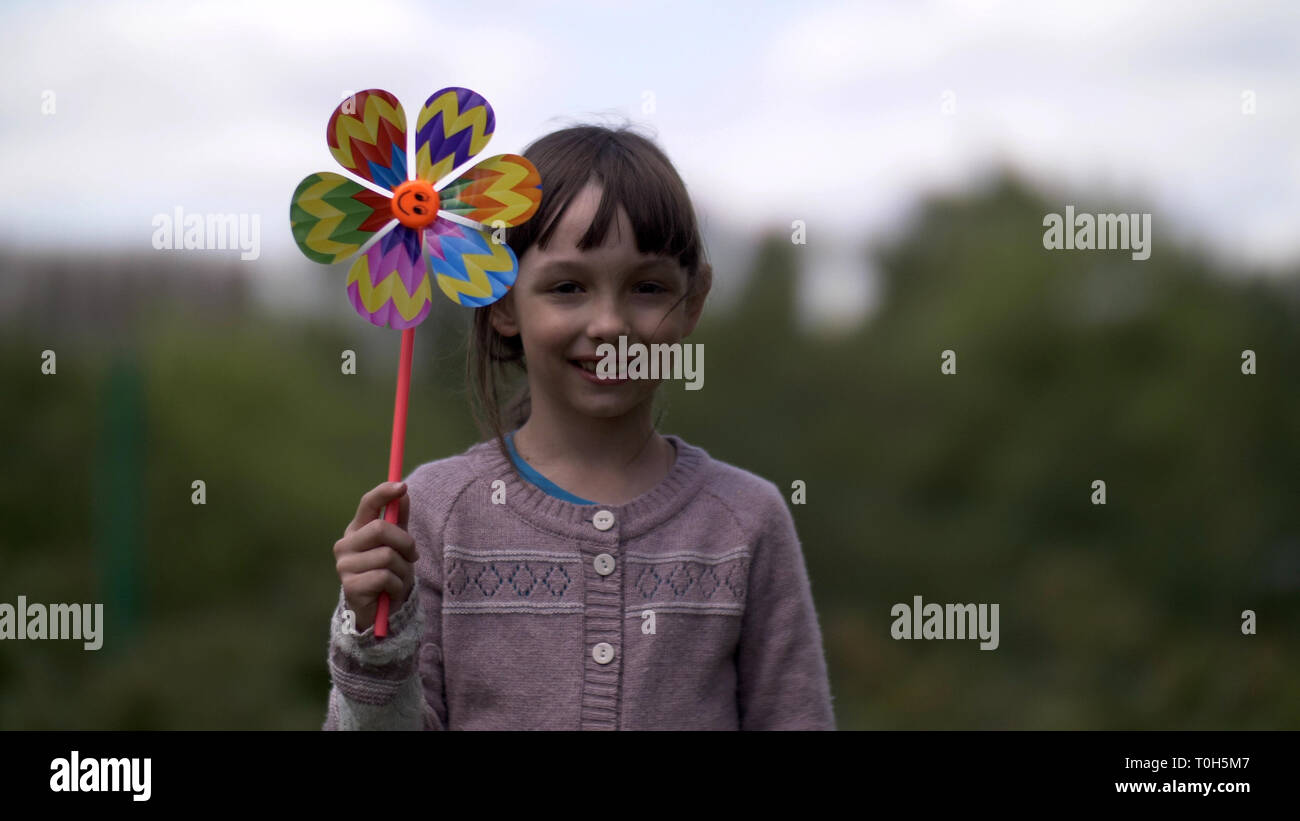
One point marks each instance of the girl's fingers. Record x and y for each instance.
(370, 584)
(377, 533)
(380, 533)
(379, 558)
(373, 503)
(404, 511)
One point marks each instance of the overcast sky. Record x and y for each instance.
(828, 112)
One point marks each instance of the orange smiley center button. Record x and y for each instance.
(415, 203)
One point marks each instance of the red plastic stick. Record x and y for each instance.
(395, 456)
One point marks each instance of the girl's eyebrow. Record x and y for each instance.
(582, 266)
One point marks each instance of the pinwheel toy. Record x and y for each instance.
(408, 227)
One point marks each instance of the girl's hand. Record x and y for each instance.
(376, 556)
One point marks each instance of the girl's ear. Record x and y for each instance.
(502, 315)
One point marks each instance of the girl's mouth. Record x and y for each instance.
(588, 370)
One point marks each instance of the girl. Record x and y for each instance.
(581, 570)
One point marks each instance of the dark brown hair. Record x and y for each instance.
(633, 172)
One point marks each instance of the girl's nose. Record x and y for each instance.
(608, 320)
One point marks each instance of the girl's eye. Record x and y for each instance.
(565, 288)
(651, 288)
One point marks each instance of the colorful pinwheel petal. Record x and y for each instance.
(389, 284)
(332, 216)
(503, 188)
(470, 267)
(367, 135)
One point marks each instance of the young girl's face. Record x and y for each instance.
(566, 302)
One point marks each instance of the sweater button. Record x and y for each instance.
(603, 520)
(604, 564)
(603, 653)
